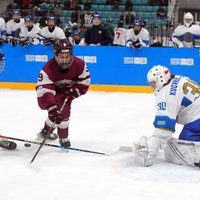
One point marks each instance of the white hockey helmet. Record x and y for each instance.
(158, 76)
(188, 19)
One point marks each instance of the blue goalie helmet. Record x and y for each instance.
(2, 61)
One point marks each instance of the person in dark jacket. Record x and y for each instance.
(97, 35)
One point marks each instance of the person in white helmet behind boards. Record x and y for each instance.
(187, 35)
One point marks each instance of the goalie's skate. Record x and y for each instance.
(41, 135)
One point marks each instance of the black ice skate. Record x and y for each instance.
(43, 133)
(8, 145)
(64, 142)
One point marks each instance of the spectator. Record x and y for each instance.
(97, 35)
(128, 5)
(110, 27)
(87, 18)
(137, 36)
(161, 13)
(57, 8)
(74, 16)
(120, 35)
(187, 35)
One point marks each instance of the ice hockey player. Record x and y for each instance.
(29, 32)
(177, 101)
(187, 35)
(137, 36)
(51, 32)
(13, 27)
(63, 77)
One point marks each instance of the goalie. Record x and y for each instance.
(177, 101)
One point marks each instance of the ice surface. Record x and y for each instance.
(100, 121)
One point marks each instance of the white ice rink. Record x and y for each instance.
(100, 122)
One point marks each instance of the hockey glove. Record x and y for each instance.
(26, 42)
(136, 44)
(48, 41)
(72, 93)
(12, 41)
(55, 115)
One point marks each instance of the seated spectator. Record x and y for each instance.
(97, 35)
(74, 16)
(161, 13)
(88, 18)
(110, 27)
(67, 5)
(57, 8)
(128, 5)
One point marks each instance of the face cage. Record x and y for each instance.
(65, 66)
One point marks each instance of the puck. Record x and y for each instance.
(27, 144)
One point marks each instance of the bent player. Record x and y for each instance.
(63, 77)
(177, 101)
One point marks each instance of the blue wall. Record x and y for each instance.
(108, 65)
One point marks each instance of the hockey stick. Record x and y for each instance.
(51, 145)
(47, 135)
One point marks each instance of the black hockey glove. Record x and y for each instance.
(48, 41)
(12, 41)
(55, 115)
(26, 42)
(136, 44)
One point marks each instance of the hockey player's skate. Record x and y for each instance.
(65, 142)
(42, 134)
(8, 145)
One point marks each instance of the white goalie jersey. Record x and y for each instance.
(175, 102)
(187, 36)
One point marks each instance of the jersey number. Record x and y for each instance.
(40, 77)
(191, 86)
(161, 106)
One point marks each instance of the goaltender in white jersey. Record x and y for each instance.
(187, 35)
(177, 101)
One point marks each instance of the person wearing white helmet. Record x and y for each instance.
(187, 35)
(177, 101)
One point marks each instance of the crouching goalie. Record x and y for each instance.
(177, 101)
